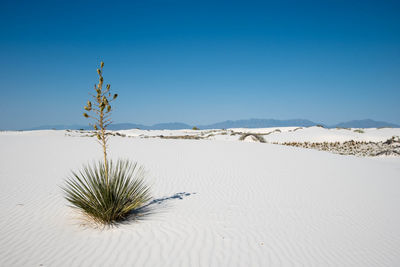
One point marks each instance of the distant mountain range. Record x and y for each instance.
(366, 124)
(251, 123)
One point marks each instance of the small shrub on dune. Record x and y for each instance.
(111, 201)
(106, 192)
(257, 137)
(358, 131)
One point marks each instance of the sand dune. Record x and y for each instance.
(215, 204)
(277, 134)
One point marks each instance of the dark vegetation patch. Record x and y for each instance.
(257, 137)
(357, 148)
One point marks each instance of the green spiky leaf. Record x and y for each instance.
(109, 203)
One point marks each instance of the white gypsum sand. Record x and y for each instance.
(346, 141)
(217, 203)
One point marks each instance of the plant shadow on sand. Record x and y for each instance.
(153, 207)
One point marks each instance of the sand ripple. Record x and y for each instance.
(216, 204)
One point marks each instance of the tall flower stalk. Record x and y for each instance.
(100, 112)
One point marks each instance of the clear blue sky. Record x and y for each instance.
(200, 62)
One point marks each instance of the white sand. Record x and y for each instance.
(279, 134)
(245, 204)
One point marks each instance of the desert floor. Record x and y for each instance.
(216, 201)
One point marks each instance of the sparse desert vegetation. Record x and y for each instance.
(108, 191)
(296, 129)
(108, 196)
(363, 148)
(255, 137)
(188, 137)
(357, 148)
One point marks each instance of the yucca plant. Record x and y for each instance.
(106, 192)
(103, 202)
